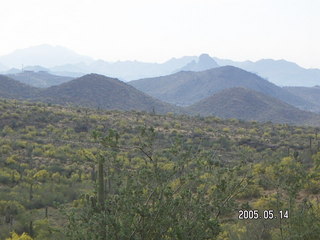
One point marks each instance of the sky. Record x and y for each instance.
(157, 30)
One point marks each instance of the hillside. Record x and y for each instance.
(247, 104)
(10, 88)
(92, 90)
(41, 79)
(98, 91)
(310, 94)
(186, 88)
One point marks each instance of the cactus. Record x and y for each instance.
(310, 143)
(31, 229)
(31, 192)
(101, 196)
(93, 174)
(93, 201)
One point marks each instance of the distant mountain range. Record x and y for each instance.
(127, 70)
(186, 88)
(279, 72)
(41, 79)
(249, 105)
(197, 84)
(62, 61)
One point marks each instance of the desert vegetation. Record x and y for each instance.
(79, 173)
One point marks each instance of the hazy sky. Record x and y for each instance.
(152, 30)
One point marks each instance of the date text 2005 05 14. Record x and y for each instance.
(265, 214)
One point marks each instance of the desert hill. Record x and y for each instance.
(247, 104)
(98, 91)
(10, 88)
(310, 94)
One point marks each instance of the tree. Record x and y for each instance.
(172, 197)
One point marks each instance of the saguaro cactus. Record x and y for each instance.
(101, 193)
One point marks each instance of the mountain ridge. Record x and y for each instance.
(186, 88)
(101, 92)
(203, 63)
(10, 88)
(279, 72)
(249, 105)
(91, 90)
(311, 94)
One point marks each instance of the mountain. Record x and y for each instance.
(36, 68)
(186, 88)
(68, 74)
(91, 90)
(310, 94)
(11, 71)
(279, 72)
(41, 79)
(44, 55)
(10, 88)
(126, 70)
(98, 91)
(62, 61)
(247, 104)
(102, 92)
(204, 62)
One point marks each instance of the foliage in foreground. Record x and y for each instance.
(183, 178)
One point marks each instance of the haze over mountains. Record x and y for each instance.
(2, 67)
(44, 55)
(61, 61)
(40, 79)
(279, 72)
